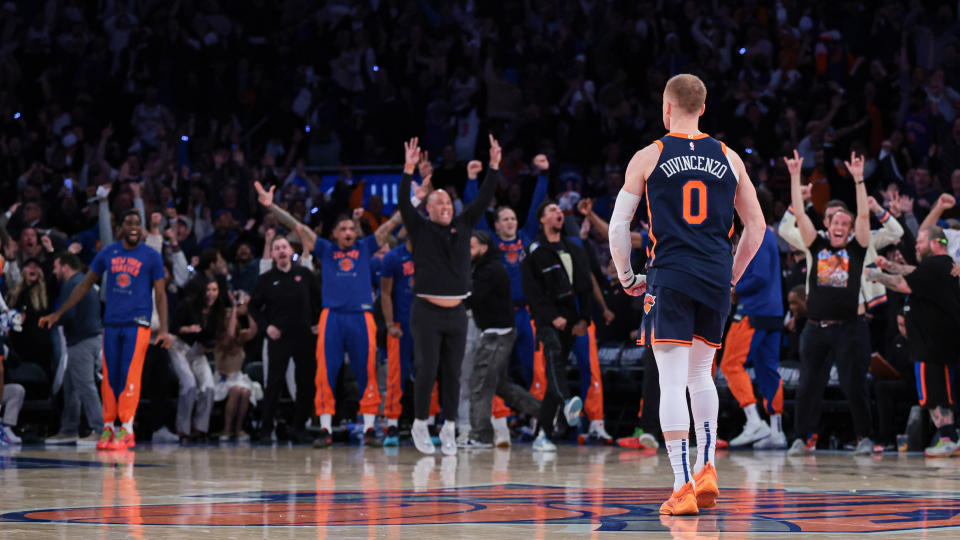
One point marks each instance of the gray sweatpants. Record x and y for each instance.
(80, 387)
(466, 368)
(489, 378)
(13, 396)
(196, 387)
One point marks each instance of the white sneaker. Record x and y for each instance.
(473, 444)
(543, 444)
(421, 437)
(648, 440)
(11, 436)
(943, 448)
(752, 432)
(571, 410)
(164, 435)
(448, 439)
(776, 441)
(501, 432)
(599, 432)
(463, 438)
(60, 438)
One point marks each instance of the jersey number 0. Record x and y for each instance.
(688, 193)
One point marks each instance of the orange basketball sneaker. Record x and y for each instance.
(106, 438)
(683, 502)
(122, 440)
(706, 486)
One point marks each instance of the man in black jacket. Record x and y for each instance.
(493, 312)
(286, 303)
(556, 279)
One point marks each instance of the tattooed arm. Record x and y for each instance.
(892, 282)
(891, 267)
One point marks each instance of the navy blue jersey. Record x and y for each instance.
(690, 196)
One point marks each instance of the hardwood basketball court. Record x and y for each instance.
(355, 492)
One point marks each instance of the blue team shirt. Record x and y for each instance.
(690, 196)
(398, 264)
(346, 274)
(130, 274)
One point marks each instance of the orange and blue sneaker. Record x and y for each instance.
(123, 440)
(706, 488)
(106, 438)
(683, 502)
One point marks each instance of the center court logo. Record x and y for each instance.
(613, 510)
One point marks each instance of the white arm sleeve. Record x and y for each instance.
(620, 246)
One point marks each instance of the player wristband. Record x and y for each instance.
(633, 281)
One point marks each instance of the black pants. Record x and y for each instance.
(489, 378)
(303, 350)
(556, 351)
(894, 400)
(820, 348)
(439, 341)
(649, 413)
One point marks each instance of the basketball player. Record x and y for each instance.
(346, 322)
(131, 269)
(692, 183)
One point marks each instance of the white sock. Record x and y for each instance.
(752, 415)
(704, 402)
(775, 425)
(393, 422)
(431, 420)
(128, 426)
(680, 461)
(326, 422)
(368, 421)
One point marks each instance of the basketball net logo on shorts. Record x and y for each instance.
(648, 302)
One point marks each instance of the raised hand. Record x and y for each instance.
(946, 201)
(473, 169)
(75, 248)
(794, 165)
(855, 166)
(496, 153)
(881, 262)
(46, 243)
(425, 167)
(905, 203)
(136, 188)
(540, 161)
(411, 150)
(265, 197)
(585, 206)
(358, 213)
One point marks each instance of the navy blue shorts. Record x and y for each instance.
(670, 317)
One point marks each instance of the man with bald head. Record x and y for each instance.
(441, 257)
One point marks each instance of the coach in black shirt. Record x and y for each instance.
(933, 324)
(286, 302)
(830, 334)
(441, 282)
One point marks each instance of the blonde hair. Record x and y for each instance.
(38, 293)
(687, 92)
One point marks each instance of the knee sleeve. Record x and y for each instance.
(673, 364)
(704, 401)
